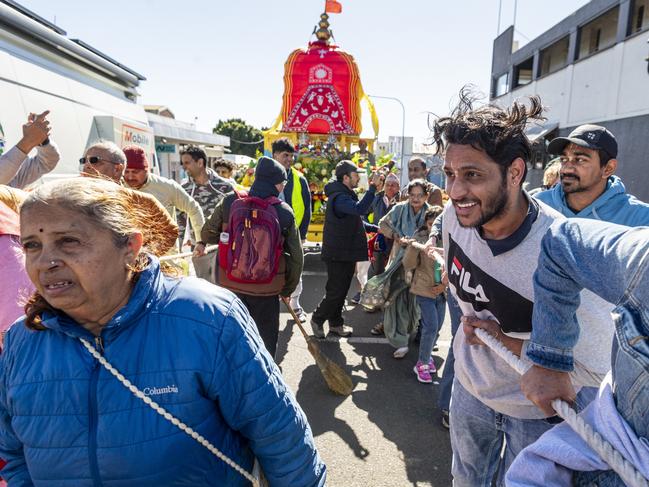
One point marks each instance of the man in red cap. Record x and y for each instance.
(166, 191)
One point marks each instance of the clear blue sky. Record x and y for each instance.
(218, 59)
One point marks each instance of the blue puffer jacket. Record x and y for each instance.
(193, 348)
(614, 205)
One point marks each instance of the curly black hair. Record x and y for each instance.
(229, 165)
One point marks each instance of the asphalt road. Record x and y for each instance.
(388, 433)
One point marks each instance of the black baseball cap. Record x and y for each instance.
(346, 167)
(588, 136)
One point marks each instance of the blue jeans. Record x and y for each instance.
(432, 318)
(477, 437)
(448, 374)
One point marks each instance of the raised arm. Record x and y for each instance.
(46, 158)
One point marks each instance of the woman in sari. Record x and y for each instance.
(401, 313)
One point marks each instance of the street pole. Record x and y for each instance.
(403, 130)
(500, 9)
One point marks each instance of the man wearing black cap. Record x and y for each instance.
(344, 243)
(589, 187)
(262, 299)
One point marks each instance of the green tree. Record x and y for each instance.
(244, 139)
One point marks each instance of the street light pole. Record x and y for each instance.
(403, 126)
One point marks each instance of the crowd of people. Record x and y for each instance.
(541, 271)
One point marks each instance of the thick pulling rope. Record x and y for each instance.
(604, 449)
(208, 249)
(167, 415)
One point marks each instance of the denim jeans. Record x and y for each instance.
(448, 374)
(613, 262)
(478, 434)
(432, 317)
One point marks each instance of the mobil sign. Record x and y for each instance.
(140, 136)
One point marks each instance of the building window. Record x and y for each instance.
(639, 19)
(555, 56)
(598, 34)
(501, 85)
(523, 72)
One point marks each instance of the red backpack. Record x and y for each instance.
(255, 240)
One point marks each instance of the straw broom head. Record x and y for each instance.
(337, 379)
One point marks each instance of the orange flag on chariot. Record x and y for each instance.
(333, 7)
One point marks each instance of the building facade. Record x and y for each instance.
(172, 136)
(90, 95)
(589, 68)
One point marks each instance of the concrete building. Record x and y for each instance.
(90, 95)
(589, 68)
(171, 136)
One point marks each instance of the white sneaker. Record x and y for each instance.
(400, 352)
(301, 316)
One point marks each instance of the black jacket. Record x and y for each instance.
(344, 237)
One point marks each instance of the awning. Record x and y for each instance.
(183, 132)
(537, 132)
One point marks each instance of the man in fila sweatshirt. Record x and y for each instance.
(492, 233)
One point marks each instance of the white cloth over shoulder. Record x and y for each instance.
(550, 461)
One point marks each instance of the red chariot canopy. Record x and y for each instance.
(322, 91)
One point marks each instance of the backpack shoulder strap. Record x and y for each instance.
(273, 200)
(240, 194)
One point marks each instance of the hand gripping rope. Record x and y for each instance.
(169, 417)
(604, 449)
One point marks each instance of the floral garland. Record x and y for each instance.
(317, 163)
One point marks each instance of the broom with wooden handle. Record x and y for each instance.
(336, 378)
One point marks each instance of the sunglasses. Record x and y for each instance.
(92, 160)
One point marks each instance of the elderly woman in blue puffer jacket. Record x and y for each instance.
(191, 347)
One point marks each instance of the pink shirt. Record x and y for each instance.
(17, 288)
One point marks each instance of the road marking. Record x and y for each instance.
(379, 340)
(357, 339)
(314, 273)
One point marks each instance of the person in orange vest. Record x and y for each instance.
(297, 195)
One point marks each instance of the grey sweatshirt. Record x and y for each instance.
(18, 170)
(496, 283)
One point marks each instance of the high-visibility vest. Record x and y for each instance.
(297, 203)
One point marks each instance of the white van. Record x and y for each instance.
(90, 96)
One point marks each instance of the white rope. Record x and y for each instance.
(167, 415)
(604, 449)
(208, 249)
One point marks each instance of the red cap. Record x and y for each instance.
(136, 158)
